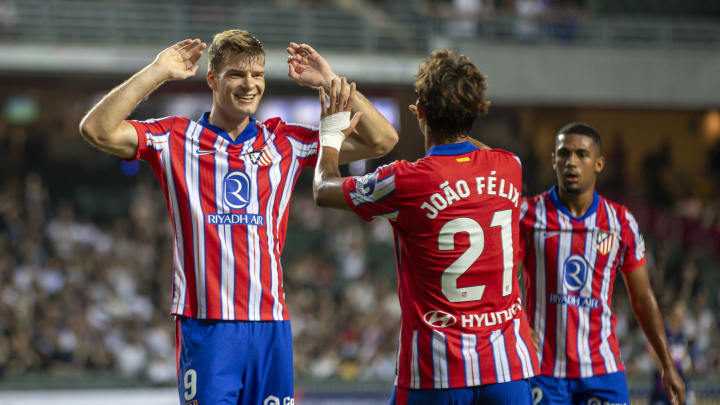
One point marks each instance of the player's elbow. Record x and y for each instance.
(384, 144)
(320, 194)
(90, 132)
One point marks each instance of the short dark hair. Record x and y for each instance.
(451, 91)
(581, 128)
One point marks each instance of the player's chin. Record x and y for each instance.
(247, 109)
(572, 187)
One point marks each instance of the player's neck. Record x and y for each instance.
(234, 126)
(431, 141)
(577, 203)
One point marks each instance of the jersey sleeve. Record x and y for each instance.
(374, 195)
(633, 245)
(305, 141)
(153, 137)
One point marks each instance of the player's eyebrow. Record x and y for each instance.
(235, 71)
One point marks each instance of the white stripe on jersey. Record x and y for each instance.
(605, 350)
(158, 142)
(523, 209)
(192, 180)
(639, 242)
(522, 351)
(308, 127)
(227, 256)
(583, 335)
(414, 364)
(502, 365)
(440, 371)
(540, 293)
(561, 326)
(275, 178)
(472, 363)
(253, 239)
(179, 282)
(154, 120)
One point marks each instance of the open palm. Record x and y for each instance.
(180, 60)
(307, 67)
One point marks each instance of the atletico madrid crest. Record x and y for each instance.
(260, 157)
(605, 242)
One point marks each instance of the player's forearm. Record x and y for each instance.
(327, 183)
(105, 117)
(648, 316)
(374, 130)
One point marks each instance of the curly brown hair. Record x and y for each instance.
(451, 91)
(238, 42)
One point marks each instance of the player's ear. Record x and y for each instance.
(599, 164)
(553, 160)
(420, 112)
(210, 77)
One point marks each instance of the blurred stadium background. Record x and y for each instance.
(85, 238)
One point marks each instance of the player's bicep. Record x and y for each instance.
(122, 142)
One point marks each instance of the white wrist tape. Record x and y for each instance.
(331, 129)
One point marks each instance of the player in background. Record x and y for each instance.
(573, 243)
(464, 337)
(227, 180)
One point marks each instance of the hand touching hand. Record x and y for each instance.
(341, 99)
(180, 60)
(307, 67)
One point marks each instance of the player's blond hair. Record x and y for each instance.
(233, 42)
(451, 91)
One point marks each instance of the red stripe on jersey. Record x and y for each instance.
(516, 366)
(425, 359)
(487, 361)
(177, 152)
(264, 189)
(206, 189)
(456, 365)
(551, 280)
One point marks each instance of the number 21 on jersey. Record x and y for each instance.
(476, 236)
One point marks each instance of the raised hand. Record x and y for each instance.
(307, 67)
(180, 60)
(341, 99)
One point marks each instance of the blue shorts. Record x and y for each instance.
(603, 389)
(234, 362)
(509, 393)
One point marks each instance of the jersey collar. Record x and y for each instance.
(249, 132)
(459, 148)
(555, 198)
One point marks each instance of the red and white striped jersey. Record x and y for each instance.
(570, 266)
(454, 215)
(229, 207)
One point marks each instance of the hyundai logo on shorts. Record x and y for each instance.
(439, 319)
(575, 272)
(236, 189)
